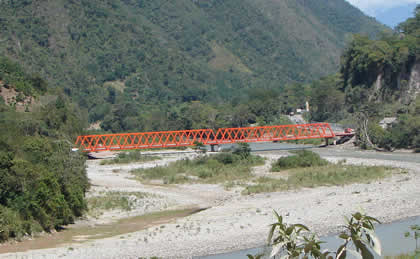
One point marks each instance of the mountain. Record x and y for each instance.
(117, 57)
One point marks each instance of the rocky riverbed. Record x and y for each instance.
(233, 221)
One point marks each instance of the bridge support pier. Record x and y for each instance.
(212, 147)
(327, 142)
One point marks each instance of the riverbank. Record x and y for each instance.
(234, 221)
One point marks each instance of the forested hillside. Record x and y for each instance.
(42, 182)
(148, 64)
(378, 78)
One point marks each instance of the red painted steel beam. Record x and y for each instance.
(167, 139)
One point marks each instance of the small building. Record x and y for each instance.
(387, 121)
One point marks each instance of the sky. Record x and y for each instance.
(389, 12)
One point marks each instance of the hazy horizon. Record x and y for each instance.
(388, 12)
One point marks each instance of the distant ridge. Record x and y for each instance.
(107, 53)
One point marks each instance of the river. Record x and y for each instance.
(391, 235)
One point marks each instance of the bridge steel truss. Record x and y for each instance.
(181, 138)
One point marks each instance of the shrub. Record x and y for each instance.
(296, 241)
(302, 158)
(243, 150)
(225, 158)
(11, 224)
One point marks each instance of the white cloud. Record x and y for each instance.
(373, 7)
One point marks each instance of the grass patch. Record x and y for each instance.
(301, 158)
(225, 60)
(222, 167)
(129, 157)
(113, 200)
(328, 175)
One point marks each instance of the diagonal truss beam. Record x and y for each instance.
(180, 138)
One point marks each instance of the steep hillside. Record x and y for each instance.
(107, 53)
(378, 78)
(42, 182)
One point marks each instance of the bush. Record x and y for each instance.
(11, 224)
(302, 158)
(243, 150)
(225, 158)
(296, 241)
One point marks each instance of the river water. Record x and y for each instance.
(391, 235)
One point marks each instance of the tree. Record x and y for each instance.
(411, 25)
(327, 100)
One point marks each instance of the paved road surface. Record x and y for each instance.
(336, 151)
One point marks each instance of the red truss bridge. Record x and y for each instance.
(182, 138)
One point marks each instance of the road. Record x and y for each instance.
(336, 151)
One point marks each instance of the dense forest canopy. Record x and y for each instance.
(145, 64)
(42, 182)
(376, 80)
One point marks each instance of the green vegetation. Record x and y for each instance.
(375, 81)
(129, 157)
(12, 75)
(404, 133)
(42, 182)
(302, 158)
(296, 241)
(308, 169)
(312, 177)
(222, 167)
(158, 64)
(113, 200)
(415, 234)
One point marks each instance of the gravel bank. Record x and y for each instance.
(237, 222)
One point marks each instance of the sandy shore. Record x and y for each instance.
(233, 221)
